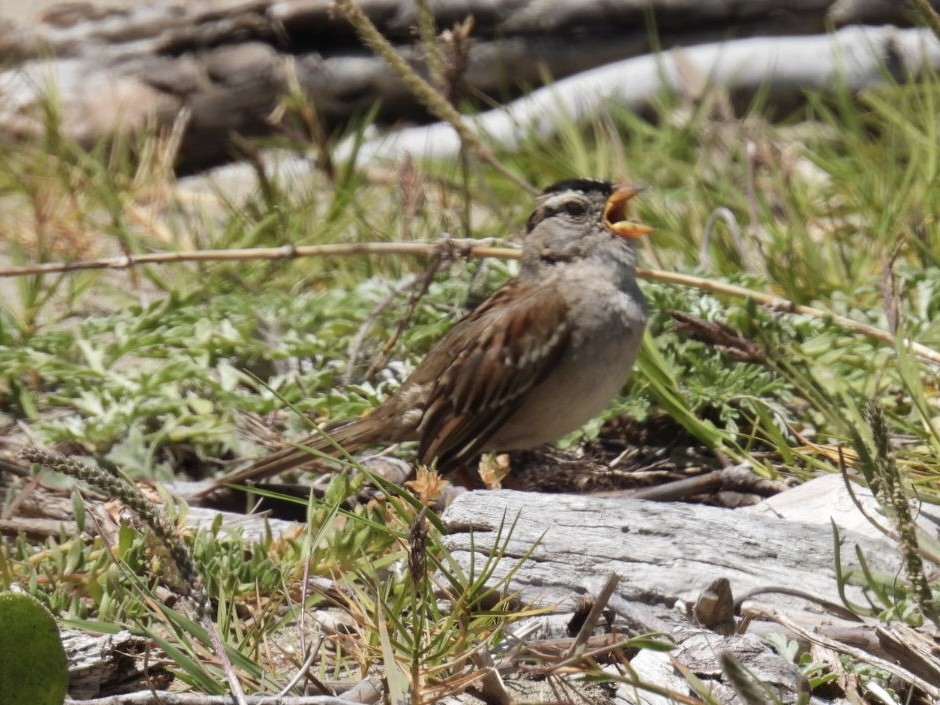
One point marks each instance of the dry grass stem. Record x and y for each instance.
(597, 609)
(928, 13)
(777, 303)
(436, 103)
(463, 247)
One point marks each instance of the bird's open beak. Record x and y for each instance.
(615, 213)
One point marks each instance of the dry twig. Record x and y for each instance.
(424, 91)
(465, 248)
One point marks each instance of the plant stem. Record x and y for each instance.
(424, 91)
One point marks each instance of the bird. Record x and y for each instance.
(534, 361)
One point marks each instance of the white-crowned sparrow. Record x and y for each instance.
(534, 361)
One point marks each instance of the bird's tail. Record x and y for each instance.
(345, 435)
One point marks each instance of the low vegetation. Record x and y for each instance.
(167, 371)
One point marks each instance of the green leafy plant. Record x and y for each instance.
(33, 668)
(834, 206)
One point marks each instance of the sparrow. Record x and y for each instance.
(533, 362)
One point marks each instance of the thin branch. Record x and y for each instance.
(597, 609)
(420, 288)
(929, 15)
(462, 248)
(166, 698)
(816, 636)
(355, 346)
(777, 303)
(422, 90)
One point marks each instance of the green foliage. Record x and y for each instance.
(33, 668)
(423, 615)
(835, 206)
(182, 371)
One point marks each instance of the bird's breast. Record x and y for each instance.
(606, 333)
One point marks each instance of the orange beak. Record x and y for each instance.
(615, 213)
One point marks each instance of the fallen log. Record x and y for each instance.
(226, 65)
(676, 563)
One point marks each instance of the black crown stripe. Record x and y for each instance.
(584, 185)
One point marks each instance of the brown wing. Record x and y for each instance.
(516, 336)
(494, 355)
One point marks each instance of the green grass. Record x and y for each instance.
(132, 367)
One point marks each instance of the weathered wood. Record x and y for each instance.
(662, 552)
(665, 555)
(103, 664)
(37, 528)
(914, 659)
(784, 67)
(75, 29)
(821, 498)
(557, 547)
(226, 64)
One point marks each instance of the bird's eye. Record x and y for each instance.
(575, 208)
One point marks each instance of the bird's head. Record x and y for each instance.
(577, 218)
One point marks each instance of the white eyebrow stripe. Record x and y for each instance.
(555, 200)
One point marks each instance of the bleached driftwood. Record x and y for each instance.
(785, 66)
(855, 57)
(103, 664)
(226, 64)
(562, 547)
(663, 552)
